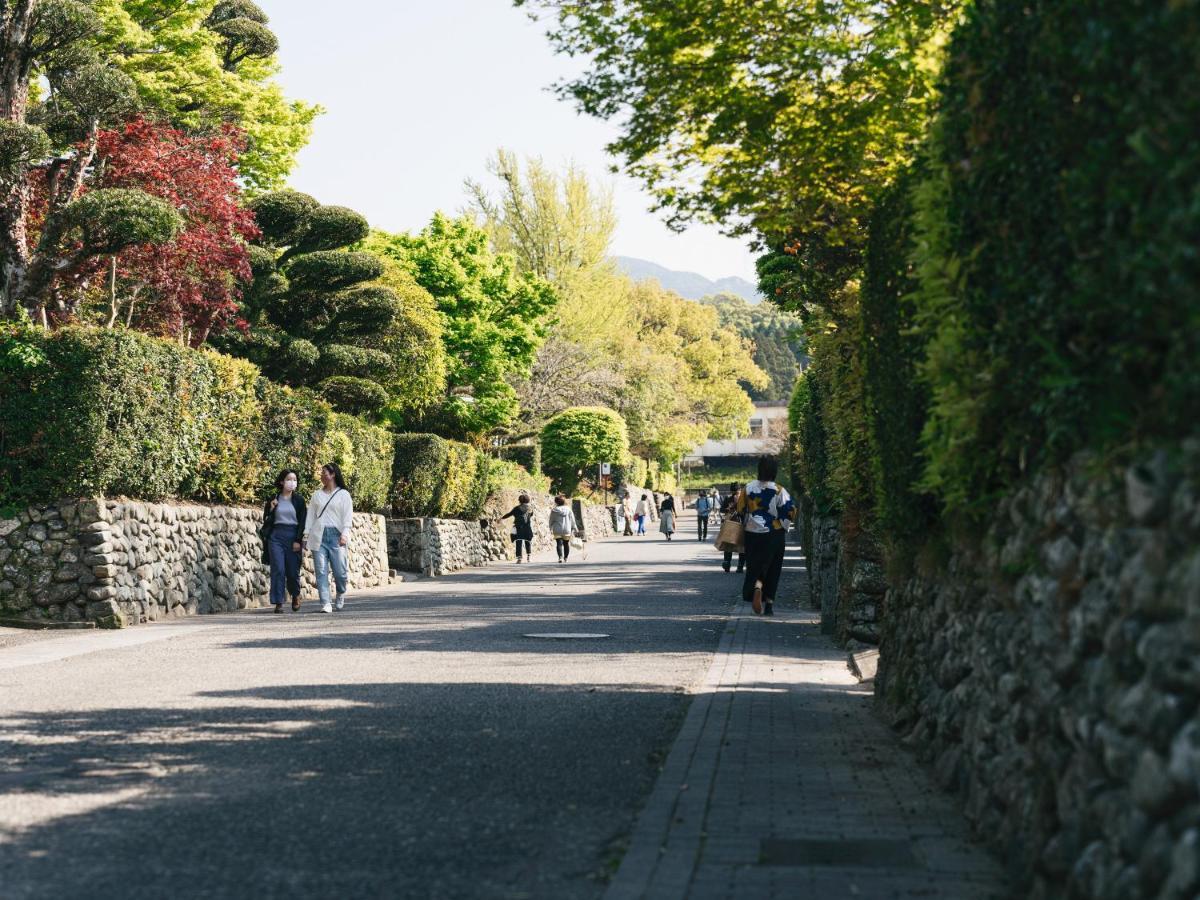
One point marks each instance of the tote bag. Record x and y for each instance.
(731, 537)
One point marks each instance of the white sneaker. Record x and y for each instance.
(341, 602)
(327, 608)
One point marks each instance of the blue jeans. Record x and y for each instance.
(330, 555)
(641, 520)
(285, 563)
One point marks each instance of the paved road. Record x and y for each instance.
(415, 745)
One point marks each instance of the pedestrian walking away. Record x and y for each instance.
(704, 507)
(729, 511)
(282, 517)
(562, 526)
(327, 534)
(522, 533)
(627, 514)
(767, 512)
(666, 513)
(642, 513)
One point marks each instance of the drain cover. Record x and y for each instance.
(568, 636)
(866, 852)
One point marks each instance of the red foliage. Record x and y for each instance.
(190, 285)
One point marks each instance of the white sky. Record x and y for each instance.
(419, 94)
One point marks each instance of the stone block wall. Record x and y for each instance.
(441, 546)
(1051, 675)
(122, 563)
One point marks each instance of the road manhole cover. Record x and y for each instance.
(569, 636)
(851, 852)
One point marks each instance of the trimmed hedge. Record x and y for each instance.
(528, 456)
(504, 474)
(432, 476)
(1059, 215)
(86, 411)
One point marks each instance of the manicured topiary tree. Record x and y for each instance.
(581, 437)
(327, 317)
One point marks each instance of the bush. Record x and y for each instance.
(528, 456)
(432, 476)
(1058, 271)
(504, 474)
(579, 438)
(88, 411)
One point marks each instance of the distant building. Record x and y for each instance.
(768, 430)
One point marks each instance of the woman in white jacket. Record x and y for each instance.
(327, 533)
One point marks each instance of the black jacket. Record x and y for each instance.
(268, 524)
(523, 522)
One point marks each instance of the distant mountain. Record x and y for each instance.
(687, 284)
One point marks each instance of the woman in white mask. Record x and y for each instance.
(282, 517)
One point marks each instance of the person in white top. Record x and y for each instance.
(327, 533)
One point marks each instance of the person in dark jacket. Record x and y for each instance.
(283, 517)
(729, 510)
(522, 516)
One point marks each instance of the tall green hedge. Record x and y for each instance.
(86, 411)
(1060, 222)
(528, 456)
(432, 476)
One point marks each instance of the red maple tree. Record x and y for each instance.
(187, 288)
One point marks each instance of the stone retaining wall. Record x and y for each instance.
(441, 546)
(1052, 677)
(122, 563)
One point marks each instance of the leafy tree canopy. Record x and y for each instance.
(757, 115)
(777, 339)
(493, 316)
(202, 64)
(580, 437)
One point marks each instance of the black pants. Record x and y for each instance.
(528, 548)
(563, 546)
(702, 527)
(764, 562)
(729, 559)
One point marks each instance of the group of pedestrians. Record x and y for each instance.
(563, 527)
(636, 515)
(320, 525)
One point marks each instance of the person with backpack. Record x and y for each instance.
(768, 512)
(522, 516)
(327, 534)
(704, 507)
(562, 527)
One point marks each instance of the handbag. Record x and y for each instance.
(731, 537)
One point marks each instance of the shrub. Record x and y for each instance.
(504, 474)
(1060, 218)
(87, 411)
(432, 476)
(579, 438)
(528, 456)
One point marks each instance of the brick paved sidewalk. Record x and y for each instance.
(783, 783)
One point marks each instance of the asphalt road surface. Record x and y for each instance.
(416, 744)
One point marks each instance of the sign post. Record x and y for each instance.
(605, 473)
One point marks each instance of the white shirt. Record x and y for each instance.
(327, 510)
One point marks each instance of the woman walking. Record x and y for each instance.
(627, 512)
(562, 526)
(327, 533)
(282, 516)
(666, 513)
(522, 516)
(729, 511)
(642, 513)
(768, 511)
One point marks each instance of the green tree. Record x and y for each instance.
(579, 438)
(339, 320)
(494, 318)
(776, 335)
(202, 64)
(764, 116)
(48, 143)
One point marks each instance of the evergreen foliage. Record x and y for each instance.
(87, 411)
(580, 438)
